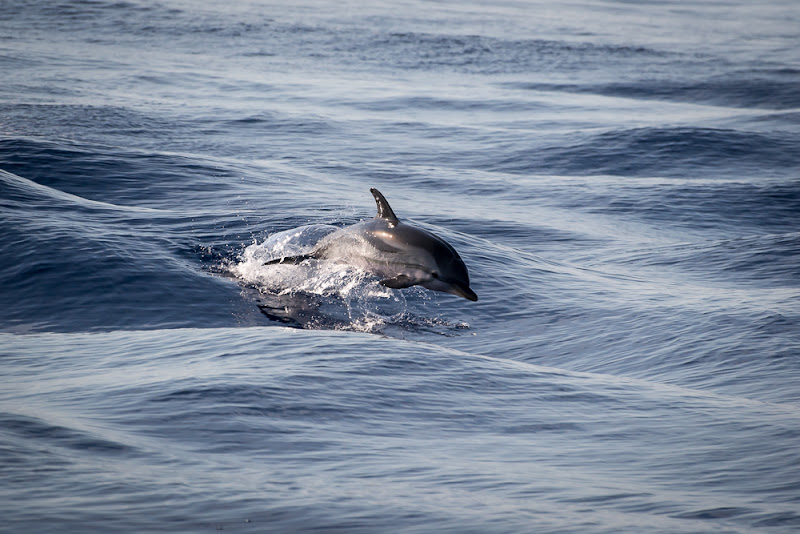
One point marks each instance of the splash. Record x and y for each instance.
(318, 294)
(322, 278)
(315, 294)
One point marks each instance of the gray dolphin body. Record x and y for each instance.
(401, 254)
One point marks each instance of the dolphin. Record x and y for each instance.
(400, 254)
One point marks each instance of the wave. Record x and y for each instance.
(757, 88)
(659, 151)
(30, 431)
(301, 405)
(114, 175)
(762, 261)
(73, 263)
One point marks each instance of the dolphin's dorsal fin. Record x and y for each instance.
(384, 210)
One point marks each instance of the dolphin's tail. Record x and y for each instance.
(294, 260)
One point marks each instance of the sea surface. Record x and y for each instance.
(622, 180)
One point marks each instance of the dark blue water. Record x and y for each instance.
(621, 179)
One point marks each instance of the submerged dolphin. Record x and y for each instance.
(402, 255)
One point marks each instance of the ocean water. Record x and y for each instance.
(622, 180)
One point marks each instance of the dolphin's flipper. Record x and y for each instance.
(398, 282)
(384, 210)
(292, 260)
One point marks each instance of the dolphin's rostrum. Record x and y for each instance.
(400, 254)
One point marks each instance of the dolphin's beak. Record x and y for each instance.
(454, 288)
(461, 291)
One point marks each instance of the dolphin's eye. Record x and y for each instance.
(435, 274)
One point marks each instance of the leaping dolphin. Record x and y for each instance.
(402, 255)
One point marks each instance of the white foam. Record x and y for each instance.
(325, 278)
